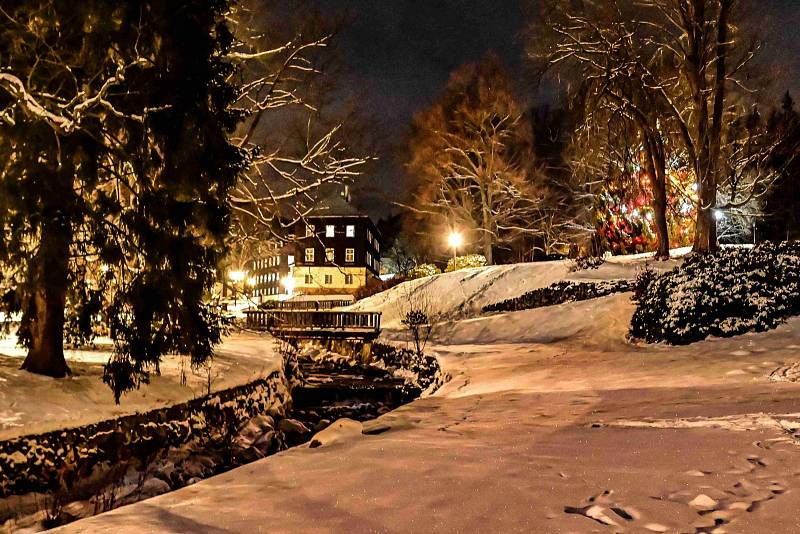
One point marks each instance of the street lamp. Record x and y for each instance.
(454, 240)
(236, 277)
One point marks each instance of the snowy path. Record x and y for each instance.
(570, 430)
(32, 404)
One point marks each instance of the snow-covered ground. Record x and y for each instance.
(464, 293)
(32, 404)
(553, 422)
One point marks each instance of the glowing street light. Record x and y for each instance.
(455, 240)
(236, 277)
(288, 283)
(719, 215)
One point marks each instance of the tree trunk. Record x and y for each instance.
(706, 233)
(656, 168)
(705, 237)
(487, 225)
(45, 316)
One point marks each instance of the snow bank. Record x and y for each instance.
(464, 293)
(34, 404)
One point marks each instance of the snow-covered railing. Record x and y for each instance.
(316, 324)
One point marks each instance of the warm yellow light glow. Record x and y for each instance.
(454, 240)
(237, 276)
(288, 283)
(251, 281)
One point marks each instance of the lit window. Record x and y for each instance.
(329, 255)
(309, 230)
(309, 279)
(348, 279)
(349, 255)
(277, 260)
(328, 279)
(309, 255)
(350, 230)
(330, 230)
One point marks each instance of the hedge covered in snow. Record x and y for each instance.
(465, 262)
(50, 461)
(733, 291)
(424, 269)
(559, 293)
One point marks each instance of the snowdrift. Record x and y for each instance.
(464, 293)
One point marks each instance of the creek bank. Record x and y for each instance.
(58, 477)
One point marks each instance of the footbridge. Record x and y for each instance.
(314, 324)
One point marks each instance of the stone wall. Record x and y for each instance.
(50, 461)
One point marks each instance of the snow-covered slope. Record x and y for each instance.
(551, 424)
(464, 293)
(31, 403)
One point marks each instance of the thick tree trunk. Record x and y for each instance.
(656, 168)
(706, 232)
(45, 316)
(705, 237)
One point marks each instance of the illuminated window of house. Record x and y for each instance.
(330, 230)
(348, 279)
(349, 255)
(310, 255)
(328, 279)
(309, 230)
(350, 231)
(329, 254)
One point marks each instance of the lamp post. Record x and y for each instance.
(454, 240)
(236, 277)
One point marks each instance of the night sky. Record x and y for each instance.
(397, 56)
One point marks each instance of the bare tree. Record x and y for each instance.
(471, 158)
(677, 68)
(284, 85)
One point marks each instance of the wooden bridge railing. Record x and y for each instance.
(316, 324)
(305, 304)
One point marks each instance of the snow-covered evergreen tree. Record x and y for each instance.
(115, 120)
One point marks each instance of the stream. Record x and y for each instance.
(326, 386)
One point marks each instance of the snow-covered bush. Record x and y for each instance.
(644, 278)
(559, 293)
(423, 368)
(734, 291)
(424, 269)
(584, 263)
(465, 262)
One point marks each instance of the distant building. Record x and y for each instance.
(268, 275)
(335, 254)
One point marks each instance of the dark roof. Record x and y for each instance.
(335, 205)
